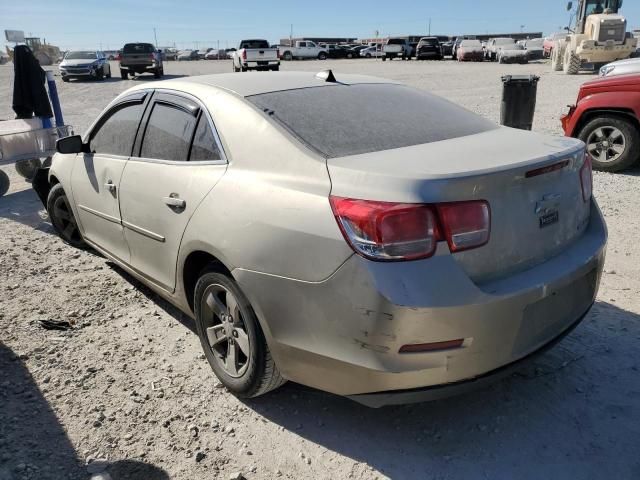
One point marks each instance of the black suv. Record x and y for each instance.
(429, 47)
(140, 58)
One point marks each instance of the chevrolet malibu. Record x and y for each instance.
(426, 251)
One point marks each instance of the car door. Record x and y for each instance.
(95, 179)
(178, 161)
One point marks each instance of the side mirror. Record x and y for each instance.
(569, 6)
(72, 144)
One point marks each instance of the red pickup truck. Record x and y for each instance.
(606, 117)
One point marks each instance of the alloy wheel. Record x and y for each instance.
(64, 220)
(226, 331)
(606, 144)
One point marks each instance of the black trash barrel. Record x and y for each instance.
(518, 101)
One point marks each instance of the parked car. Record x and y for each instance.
(429, 48)
(255, 55)
(354, 52)
(495, 44)
(202, 53)
(458, 41)
(336, 51)
(345, 291)
(447, 46)
(512, 53)
(621, 67)
(169, 53)
(605, 117)
(216, 55)
(550, 41)
(375, 52)
(470, 51)
(84, 64)
(304, 49)
(396, 48)
(187, 55)
(139, 58)
(534, 48)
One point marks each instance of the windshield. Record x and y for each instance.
(429, 41)
(83, 55)
(599, 6)
(254, 44)
(341, 120)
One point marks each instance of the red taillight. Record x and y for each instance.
(386, 231)
(244, 54)
(466, 225)
(586, 178)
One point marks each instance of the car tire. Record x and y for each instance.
(322, 56)
(157, 73)
(618, 131)
(109, 74)
(62, 218)
(276, 68)
(287, 56)
(100, 74)
(65, 79)
(124, 74)
(4, 183)
(250, 370)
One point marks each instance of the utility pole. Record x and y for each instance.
(154, 37)
(429, 26)
(291, 36)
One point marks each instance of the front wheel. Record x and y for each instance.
(157, 73)
(231, 337)
(612, 141)
(62, 218)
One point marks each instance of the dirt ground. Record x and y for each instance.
(129, 384)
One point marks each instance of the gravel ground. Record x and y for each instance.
(128, 392)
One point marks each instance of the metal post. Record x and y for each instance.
(154, 37)
(55, 101)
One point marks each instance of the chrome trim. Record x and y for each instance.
(142, 231)
(100, 214)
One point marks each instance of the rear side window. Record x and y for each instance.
(204, 143)
(168, 133)
(340, 120)
(116, 134)
(138, 48)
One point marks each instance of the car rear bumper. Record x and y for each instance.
(261, 64)
(344, 334)
(139, 68)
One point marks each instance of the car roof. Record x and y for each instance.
(262, 82)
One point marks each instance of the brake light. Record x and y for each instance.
(466, 225)
(244, 54)
(586, 178)
(386, 231)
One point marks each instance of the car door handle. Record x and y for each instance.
(110, 186)
(174, 201)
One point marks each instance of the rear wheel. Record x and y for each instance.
(27, 168)
(275, 68)
(124, 74)
(109, 72)
(612, 141)
(322, 56)
(157, 73)
(231, 337)
(4, 182)
(287, 56)
(62, 219)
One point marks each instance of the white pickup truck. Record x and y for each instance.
(304, 49)
(255, 55)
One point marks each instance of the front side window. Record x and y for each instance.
(115, 135)
(168, 133)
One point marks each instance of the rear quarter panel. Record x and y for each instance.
(270, 212)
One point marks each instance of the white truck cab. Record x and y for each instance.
(304, 49)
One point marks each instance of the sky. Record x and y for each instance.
(108, 24)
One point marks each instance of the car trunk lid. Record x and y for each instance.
(532, 183)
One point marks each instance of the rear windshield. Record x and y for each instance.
(254, 44)
(341, 120)
(395, 41)
(471, 43)
(138, 48)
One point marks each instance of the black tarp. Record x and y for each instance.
(29, 94)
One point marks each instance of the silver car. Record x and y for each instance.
(84, 64)
(621, 67)
(390, 251)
